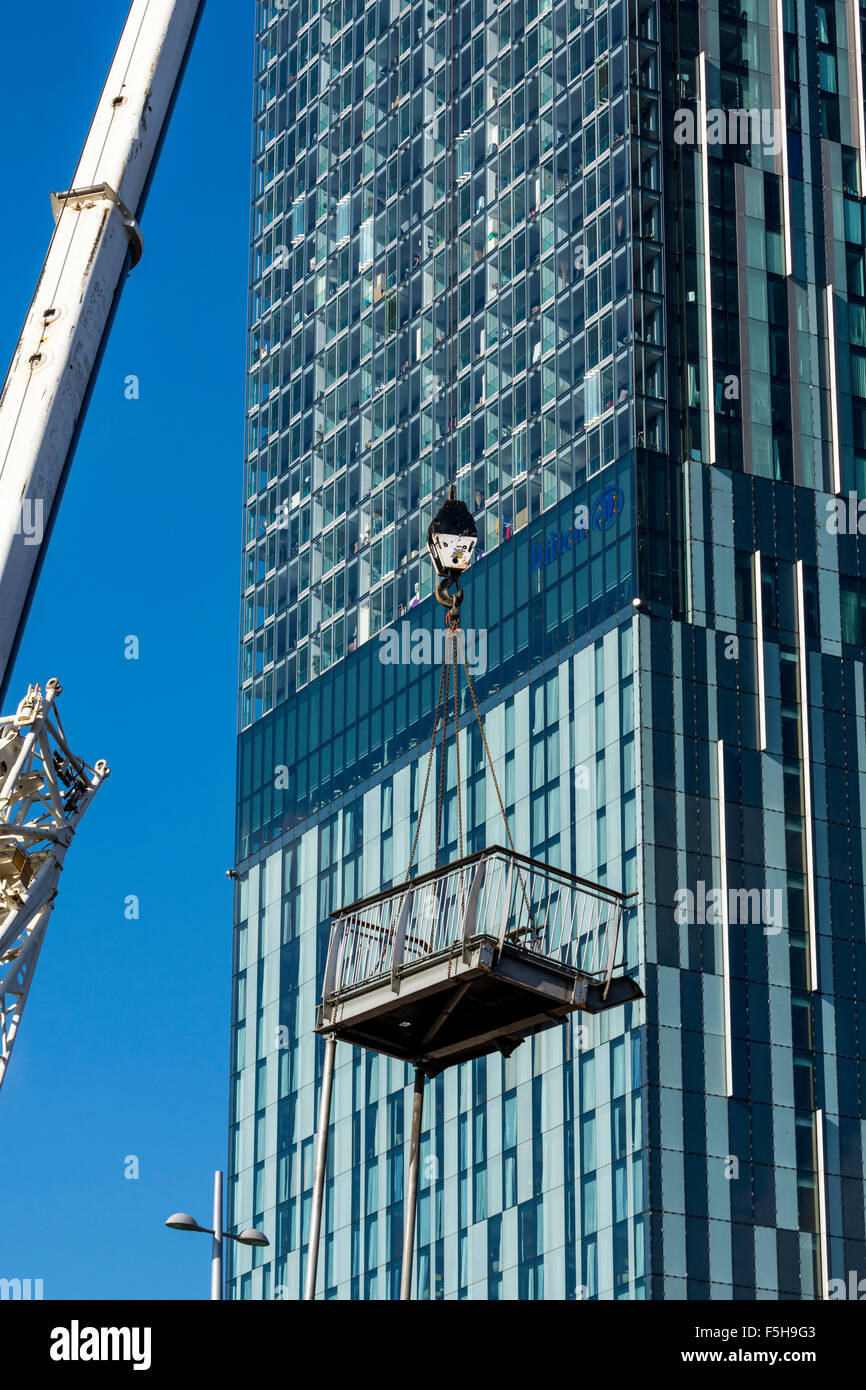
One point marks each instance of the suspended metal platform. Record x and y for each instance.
(471, 959)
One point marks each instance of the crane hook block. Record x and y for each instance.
(451, 540)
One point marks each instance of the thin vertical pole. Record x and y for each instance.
(216, 1262)
(320, 1169)
(410, 1197)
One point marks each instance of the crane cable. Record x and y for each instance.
(454, 648)
(427, 778)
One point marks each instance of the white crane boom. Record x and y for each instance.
(96, 239)
(44, 787)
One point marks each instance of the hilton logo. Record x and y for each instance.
(605, 510)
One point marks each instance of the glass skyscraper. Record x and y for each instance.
(602, 264)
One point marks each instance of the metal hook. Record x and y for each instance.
(450, 601)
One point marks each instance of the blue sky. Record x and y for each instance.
(124, 1045)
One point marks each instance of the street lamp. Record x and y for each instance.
(182, 1221)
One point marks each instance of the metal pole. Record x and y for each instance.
(216, 1263)
(321, 1166)
(410, 1198)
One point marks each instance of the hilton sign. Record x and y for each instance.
(602, 515)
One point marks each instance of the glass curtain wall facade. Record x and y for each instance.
(503, 243)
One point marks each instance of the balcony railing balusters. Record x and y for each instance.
(508, 897)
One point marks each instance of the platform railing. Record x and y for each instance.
(493, 893)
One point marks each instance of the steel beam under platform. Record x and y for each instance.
(465, 1002)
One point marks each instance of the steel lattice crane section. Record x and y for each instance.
(45, 790)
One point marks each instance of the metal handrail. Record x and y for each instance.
(496, 893)
(523, 859)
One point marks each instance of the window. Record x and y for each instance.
(827, 71)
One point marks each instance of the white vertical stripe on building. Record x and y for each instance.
(807, 779)
(783, 115)
(708, 305)
(857, 94)
(759, 624)
(723, 885)
(834, 396)
(822, 1203)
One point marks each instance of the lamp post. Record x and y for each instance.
(182, 1221)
